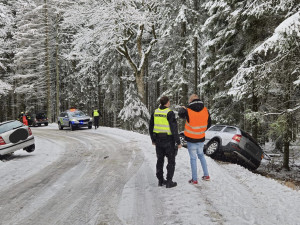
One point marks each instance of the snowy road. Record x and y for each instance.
(108, 177)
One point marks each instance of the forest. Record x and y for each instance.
(242, 57)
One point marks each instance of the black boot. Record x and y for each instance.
(171, 184)
(162, 182)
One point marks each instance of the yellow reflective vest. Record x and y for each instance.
(96, 113)
(161, 123)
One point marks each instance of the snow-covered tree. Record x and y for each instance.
(180, 25)
(275, 63)
(134, 114)
(6, 56)
(119, 24)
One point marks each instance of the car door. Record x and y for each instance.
(213, 131)
(66, 119)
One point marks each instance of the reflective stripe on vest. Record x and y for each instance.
(96, 113)
(197, 126)
(161, 123)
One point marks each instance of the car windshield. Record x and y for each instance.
(10, 126)
(77, 113)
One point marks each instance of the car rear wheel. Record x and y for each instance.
(212, 148)
(46, 124)
(30, 148)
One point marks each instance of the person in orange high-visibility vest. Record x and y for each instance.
(197, 122)
(25, 121)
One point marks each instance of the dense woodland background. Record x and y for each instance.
(241, 56)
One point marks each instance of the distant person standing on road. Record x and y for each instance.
(164, 133)
(96, 115)
(24, 119)
(197, 122)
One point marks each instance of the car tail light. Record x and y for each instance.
(237, 137)
(2, 142)
(29, 131)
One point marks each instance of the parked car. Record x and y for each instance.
(41, 118)
(231, 142)
(37, 119)
(14, 135)
(73, 119)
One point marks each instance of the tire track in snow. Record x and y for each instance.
(80, 188)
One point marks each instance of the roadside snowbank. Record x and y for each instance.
(234, 195)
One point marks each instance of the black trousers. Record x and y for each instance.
(165, 148)
(96, 121)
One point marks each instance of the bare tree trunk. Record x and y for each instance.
(48, 85)
(195, 64)
(121, 94)
(57, 70)
(146, 84)
(286, 146)
(141, 86)
(255, 121)
(287, 132)
(184, 98)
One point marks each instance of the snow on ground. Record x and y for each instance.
(23, 164)
(233, 196)
(272, 165)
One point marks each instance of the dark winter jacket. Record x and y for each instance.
(173, 126)
(196, 105)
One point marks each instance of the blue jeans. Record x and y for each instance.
(196, 149)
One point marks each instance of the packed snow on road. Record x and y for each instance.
(107, 176)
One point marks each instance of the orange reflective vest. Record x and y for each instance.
(197, 126)
(25, 121)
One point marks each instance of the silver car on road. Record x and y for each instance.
(14, 135)
(73, 119)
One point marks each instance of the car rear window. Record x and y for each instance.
(245, 134)
(230, 130)
(41, 116)
(9, 126)
(216, 128)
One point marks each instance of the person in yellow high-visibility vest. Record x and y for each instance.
(164, 133)
(96, 115)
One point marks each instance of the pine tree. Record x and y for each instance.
(134, 114)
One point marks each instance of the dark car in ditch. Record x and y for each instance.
(232, 143)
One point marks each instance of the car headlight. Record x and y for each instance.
(73, 120)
